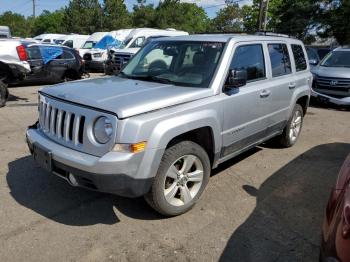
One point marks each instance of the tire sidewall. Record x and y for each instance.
(3, 94)
(170, 156)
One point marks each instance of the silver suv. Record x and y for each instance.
(178, 109)
(332, 78)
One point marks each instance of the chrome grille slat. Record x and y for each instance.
(76, 126)
(59, 123)
(52, 121)
(66, 126)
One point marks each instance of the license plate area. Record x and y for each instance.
(42, 156)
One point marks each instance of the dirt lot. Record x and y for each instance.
(266, 205)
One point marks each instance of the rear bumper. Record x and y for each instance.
(113, 173)
(326, 98)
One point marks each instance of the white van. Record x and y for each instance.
(5, 32)
(91, 42)
(48, 38)
(72, 41)
(96, 57)
(118, 56)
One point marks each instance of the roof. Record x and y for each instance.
(227, 37)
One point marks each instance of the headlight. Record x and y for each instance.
(103, 130)
(98, 55)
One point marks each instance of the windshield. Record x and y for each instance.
(125, 43)
(176, 62)
(337, 59)
(59, 42)
(89, 45)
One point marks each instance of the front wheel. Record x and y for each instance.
(181, 179)
(293, 128)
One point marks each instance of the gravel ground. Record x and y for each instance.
(266, 205)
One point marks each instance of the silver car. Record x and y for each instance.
(332, 78)
(178, 109)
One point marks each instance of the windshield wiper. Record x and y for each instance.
(147, 78)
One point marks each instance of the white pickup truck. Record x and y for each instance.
(13, 65)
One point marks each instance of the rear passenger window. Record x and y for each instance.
(280, 61)
(299, 57)
(251, 59)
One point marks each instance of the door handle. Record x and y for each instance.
(265, 93)
(292, 85)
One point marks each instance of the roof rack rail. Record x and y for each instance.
(267, 33)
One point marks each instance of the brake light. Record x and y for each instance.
(22, 54)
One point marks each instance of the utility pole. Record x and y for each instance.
(262, 19)
(34, 8)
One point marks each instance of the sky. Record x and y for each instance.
(25, 7)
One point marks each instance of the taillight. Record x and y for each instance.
(22, 54)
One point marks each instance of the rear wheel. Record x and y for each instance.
(3, 93)
(292, 131)
(181, 179)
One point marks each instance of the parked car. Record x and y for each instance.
(48, 38)
(336, 226)
(14, 65)
(91, 42)
(180, 107)
(72, 41)
(119, 56)
(96, 57)
(5, 32)
(332, 78)
(53, 64)
(316, 54)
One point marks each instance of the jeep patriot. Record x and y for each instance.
(178, 109)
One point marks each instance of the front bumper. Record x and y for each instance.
(326, 98)
(113, 173)
(95, 65)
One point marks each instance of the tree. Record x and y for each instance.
(183, 16)
(143, 15)
(229, 18)
(84, 16)
(334, 21)
(49, 22)
(116, 15)
(16, 22)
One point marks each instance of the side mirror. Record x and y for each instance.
(313, 62)
(236, 78)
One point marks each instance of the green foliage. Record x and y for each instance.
(84, 16)
(49, 22)
(143, 16)
(17, 23)
(182, 16)
(229, 19)
(115, 15)
(334, 21)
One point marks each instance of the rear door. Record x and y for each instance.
(246, 108)
(59, 66)
(282, 85)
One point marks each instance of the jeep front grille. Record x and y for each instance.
(71, 125)
(61, 124)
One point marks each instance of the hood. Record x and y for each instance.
(336, 72)
(127, 51)
(125, 97)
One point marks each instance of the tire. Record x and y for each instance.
(182, 188)
(3, 94)
(293, 128)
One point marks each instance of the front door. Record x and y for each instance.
(246, 108)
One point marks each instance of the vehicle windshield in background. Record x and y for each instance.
(337, 59)
(176, 62)
(89, 45)
(59, 42)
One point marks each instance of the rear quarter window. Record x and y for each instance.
(299, 58)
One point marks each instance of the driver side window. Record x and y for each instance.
(250, 58)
